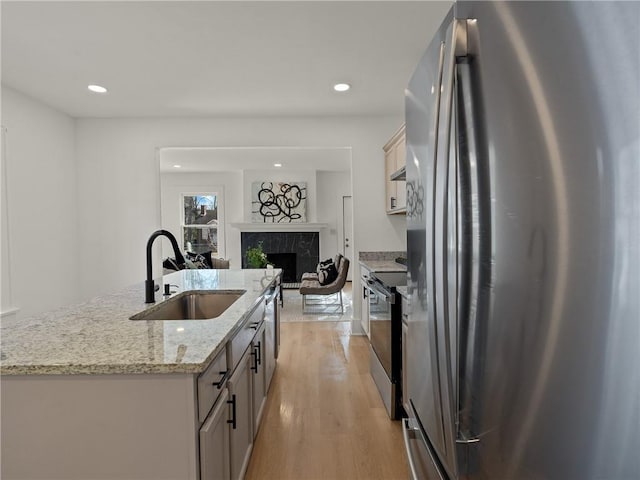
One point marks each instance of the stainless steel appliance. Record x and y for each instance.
(523, 215)
(385, 335)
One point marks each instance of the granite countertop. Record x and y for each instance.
(382, 261)
(97, 337)
(403, 291)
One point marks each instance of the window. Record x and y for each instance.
(201, 230)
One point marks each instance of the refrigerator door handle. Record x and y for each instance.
(423, 463)
(444, 229)
(408, 430)
(475, 234)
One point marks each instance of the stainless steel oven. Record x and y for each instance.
(385, 327)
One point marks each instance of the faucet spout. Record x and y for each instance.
(149, 285)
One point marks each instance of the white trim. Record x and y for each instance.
(9, 311)
(279, 227)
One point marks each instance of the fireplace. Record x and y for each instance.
(301, 250)
(287, 262)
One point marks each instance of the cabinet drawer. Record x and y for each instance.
(240, 342)
(211, 384)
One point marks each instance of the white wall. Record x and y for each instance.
(118, 169)
(6, 299)
(42, 215)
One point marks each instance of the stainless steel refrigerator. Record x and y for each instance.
(523, 216)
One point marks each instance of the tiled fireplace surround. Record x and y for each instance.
(305, 246)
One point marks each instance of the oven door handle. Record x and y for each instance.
(388, 296)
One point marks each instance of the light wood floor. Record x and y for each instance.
(324, 418)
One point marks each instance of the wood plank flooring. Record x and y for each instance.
(324, 418)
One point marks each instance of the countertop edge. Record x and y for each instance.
(134, 368)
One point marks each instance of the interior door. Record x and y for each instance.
(347, 231)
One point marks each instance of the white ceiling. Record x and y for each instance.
(212, 58)
(254, 158)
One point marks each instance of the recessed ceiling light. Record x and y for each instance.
(177, 166)
(97, 89)
(277, 164)
(341, 87)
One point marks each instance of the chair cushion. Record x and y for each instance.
(328, 274)
(323, 264)
(309, 276)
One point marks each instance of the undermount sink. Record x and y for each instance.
(192, 306)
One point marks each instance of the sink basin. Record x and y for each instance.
(192, 306)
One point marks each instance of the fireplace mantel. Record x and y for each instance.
(279, 227)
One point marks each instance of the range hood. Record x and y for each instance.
(399, 175)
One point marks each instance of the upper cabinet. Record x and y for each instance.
(395, 162)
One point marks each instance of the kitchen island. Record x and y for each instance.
(89, 393)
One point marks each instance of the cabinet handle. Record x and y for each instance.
(254, 367)
(223, 379)
(254, 325)
(233, 411)
(259, 348)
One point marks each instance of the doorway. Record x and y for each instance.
(347, 231)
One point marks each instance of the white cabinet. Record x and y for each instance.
(213, 397)
(215, 461)
(272, 326)
(240, 393)
(160, 425)
(259, 388)
(401, 185)
(227, 434)
(395, 162)
(364, 299)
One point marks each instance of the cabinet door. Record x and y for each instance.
(364, 299)
(214, 442)
(391, 188)
(401, 186)
(240, 386)
(259, 384)
(364, 315)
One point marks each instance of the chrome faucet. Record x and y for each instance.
(149, 285)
